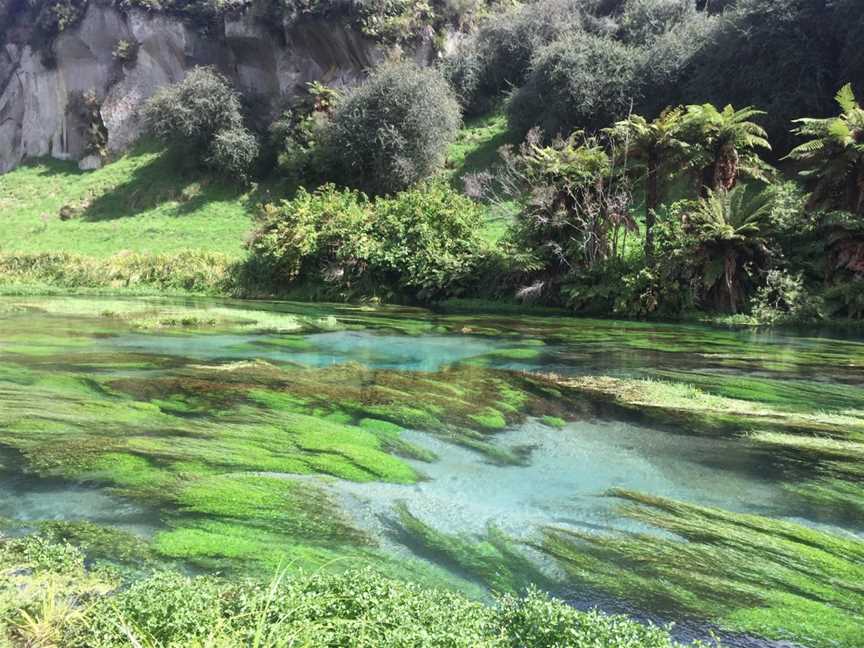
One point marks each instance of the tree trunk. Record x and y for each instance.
(855, 190)
(730, 264)
(726, 168)
(652, 199)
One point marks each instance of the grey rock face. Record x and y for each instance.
(40, 100)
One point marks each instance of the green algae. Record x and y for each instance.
(554, 421)
(100, 543)
(493, 560)
(489, 419)
(791, 395)
(229, 452)
(701, 411)
(748, 573)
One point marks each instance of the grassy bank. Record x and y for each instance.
(148, 223)
(144, 202)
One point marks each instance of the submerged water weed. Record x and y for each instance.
(670, 402)
(495, 561)
(832, 470)
(748, 573)
(790, 395)
(214, 446)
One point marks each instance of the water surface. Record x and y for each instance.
(152, 416)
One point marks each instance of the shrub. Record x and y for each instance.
(394, 129)
(793, 41)
(125, 51)
(418, 244)
(784, 299)
(642, 21)
(202, 115)
(54, 16)
(580, 81)
(427, 240)
(498, 56)
(846, 299)
(298, 134)
(233, 151)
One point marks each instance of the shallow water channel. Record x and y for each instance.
(180, 420)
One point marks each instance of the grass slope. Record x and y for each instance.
(150, 202)
(142, 202)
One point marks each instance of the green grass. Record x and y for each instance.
(144, 202)
(149, 202)
(476, 150)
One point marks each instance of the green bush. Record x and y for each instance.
(498, 55)
(846, 299)
(54, 16)
(201, 115)
(777, 55)
(783, 298)
(393, 130)
(232, 151)
(581, 81)
(78, 606)
(419, 244)
(642, 21)
(360, 608)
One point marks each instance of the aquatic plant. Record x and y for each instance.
(494, 560)
(748, 573)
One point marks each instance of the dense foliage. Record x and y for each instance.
(656, 53)
(498, 55)
(391, 22)
(580, 81)
(201, 115)
(418, 244)
(393, 130)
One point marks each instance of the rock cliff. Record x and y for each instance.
(41, 93)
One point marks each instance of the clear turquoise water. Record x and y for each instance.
(567, 471)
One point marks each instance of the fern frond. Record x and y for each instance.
(846, 99)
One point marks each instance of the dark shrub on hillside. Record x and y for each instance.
(849, 24)
(641, 21)
(777, 55)
(56, 15)
(418, 244)
(498, 56)
(582, 81)
(394, 129)
(202, 115)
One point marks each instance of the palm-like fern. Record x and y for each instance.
(730, 227)
(654, 148)
(726, 143)
(834, 154)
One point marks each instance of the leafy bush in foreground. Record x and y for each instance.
(360, 608)
(202, 114)
(394, 129)
(421, 243)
